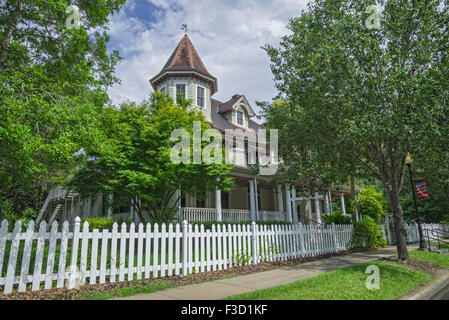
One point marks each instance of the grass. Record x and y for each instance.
(345, 284)
(431, 257)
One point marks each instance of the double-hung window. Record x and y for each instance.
(180, 91)
(200, 92)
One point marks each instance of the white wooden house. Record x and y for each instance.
(252, 198)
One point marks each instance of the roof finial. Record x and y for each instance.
(185, 28)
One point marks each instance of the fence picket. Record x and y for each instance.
(104, 252)
(170, 250)
(84, 246)
(12, 261)
(94, 257)
(26, 257)
(51, 255)
(3, 234)
(163, 249)
(140, 237)
(122, 268)
(62, 255)
(39, 256)
(114, 235)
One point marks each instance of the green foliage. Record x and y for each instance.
(433, 209)
(371, 203)
(53, 83)
(368, 234)
(7, 212)
(104, 222)
(337, 217)
(359, 98)
(132, 158)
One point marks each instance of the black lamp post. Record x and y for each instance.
(422, 243)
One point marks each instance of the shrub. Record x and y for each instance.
(337, 218)
(104, 222)
(369, 203)
(368, 234)
(7, 212)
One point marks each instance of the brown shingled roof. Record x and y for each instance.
(186, 58)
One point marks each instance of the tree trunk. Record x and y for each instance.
(353, 195)
(399, 230)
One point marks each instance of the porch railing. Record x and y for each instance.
(228, 215)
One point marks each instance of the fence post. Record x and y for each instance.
(254, 235)
(334, 237)
(184, 248)
(73, 264)
(301, 240)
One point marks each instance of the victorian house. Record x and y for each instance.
(252, 197)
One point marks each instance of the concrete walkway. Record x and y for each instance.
(219, 289)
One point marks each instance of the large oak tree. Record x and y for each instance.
(362, 91)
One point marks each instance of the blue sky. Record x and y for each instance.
(227, 34)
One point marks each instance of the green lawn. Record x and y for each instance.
(431, 257)
(345, 284)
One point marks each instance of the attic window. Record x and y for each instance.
(240, 117)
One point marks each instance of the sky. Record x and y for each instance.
(228, 35)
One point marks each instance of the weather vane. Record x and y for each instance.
(185, 28)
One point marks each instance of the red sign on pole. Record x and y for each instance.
(421, 189)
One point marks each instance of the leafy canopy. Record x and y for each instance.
(361, 98)
(132, 159)
(53, 82)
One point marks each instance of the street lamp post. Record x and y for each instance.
(408, 162)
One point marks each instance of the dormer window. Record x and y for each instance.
(240, 117)
(200, 93)
(180, 91)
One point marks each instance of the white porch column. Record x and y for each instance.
(317, 208)
(288, 203)
(218, 204)
(295, 208)
(327, 203)
(309, 205)
(110, 201)
(256, 193)
(280, 200)
(330, 202)
(252, 200)
(89, 206)
(342, 200)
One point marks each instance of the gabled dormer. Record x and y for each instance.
(237, 110)
(185, 74)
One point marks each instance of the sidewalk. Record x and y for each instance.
(219, 289)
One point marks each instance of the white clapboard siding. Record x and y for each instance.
(160, 251)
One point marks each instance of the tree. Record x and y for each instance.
(366, 91)
(53, 83)
(133, 159)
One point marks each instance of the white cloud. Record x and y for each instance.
(227, 34)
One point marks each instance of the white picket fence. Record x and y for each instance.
(69, 258)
